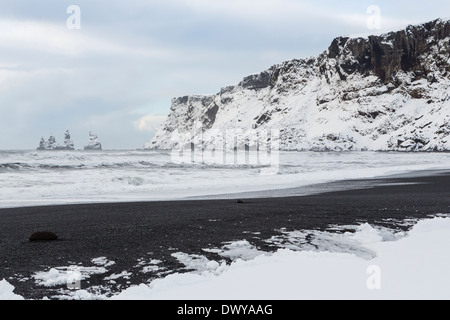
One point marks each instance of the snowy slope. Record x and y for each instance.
(388, 92)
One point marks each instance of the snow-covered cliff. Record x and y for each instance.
(389, 92)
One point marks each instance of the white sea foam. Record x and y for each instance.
(59, 177)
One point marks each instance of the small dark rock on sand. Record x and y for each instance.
(43, 236)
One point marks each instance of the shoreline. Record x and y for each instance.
(323, 187)
(331, 185)
(125, 232)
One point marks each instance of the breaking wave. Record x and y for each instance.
(54, 177)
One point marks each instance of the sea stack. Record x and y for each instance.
(51, 143)
(93, 144)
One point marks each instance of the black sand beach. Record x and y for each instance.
(126, 232)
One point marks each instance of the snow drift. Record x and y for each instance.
(413, 267)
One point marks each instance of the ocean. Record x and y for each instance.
(29, 178)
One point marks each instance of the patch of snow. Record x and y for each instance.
(7, 291)
(102, 261)
(66, 275)
(243, 250)
(123, 274)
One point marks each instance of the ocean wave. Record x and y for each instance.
(60, 167)
(52, 166)
(35, 166)
(133, 181)
(14, 166)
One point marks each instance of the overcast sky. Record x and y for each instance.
(115, 69)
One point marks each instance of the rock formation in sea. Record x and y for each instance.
(51, 143)
(93, 143)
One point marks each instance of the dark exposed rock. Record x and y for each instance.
(210, 116)
(385, 55)
(257, 81)
(226, 100)
(43, 236)
(181, 100)
(265, 117)
(371, 115)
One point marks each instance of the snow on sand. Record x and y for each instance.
(370, 263)
(414, 267)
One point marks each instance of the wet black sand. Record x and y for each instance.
(126, 232)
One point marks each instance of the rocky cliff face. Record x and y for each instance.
(389, 92)
(397, 51)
